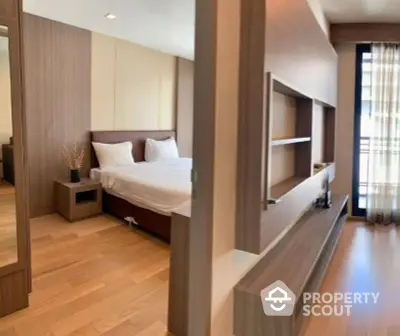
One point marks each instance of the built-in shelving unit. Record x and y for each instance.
(299, 132)
(289, 119)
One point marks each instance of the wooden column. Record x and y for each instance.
(15, 279)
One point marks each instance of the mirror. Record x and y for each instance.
(8, 221)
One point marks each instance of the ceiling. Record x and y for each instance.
(168, 25)
(348, 11)
(165, 25)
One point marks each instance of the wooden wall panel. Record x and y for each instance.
(252, 125)
(298, 51)
(13, 292)
(184, 105)
(365, 32)
(9, 9)
(58, 101)
(178, 299)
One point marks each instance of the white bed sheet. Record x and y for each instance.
(161, 187)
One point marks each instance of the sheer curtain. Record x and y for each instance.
(383, 185)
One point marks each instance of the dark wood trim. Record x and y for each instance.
(15, 280)
(304, 123)
(13, 292)
(252, 93)
(365, 32)
(25, 175)
(267, 141)
(329, 134)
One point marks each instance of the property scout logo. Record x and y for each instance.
(278, 300)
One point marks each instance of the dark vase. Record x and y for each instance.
(75, 176)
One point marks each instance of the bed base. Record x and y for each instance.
(147, 220)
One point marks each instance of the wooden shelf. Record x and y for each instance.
(312, 240)
(288, 141)
(282, 188)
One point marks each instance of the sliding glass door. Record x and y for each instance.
(362, 128)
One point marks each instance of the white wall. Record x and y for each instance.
(5, 97)
(133, 87)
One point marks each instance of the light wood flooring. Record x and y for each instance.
(367, 260)
(8, 228)
(94, 277)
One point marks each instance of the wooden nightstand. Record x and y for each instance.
(76, 201)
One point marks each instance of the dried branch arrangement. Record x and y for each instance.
(73, 156)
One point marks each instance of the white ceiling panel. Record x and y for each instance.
(165, 25)
(355, 11)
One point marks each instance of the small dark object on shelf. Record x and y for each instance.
(75, 176)
(273, 201)
(319, 165)
(325, 201)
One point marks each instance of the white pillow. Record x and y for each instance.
(113, 155)
(160, 150)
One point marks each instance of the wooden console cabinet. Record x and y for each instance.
(300, 260)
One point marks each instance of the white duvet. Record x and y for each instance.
(158, 186)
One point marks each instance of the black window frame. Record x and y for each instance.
(360, 50)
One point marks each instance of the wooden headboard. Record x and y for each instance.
(137, 138)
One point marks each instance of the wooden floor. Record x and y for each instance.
(94, 277)
(367, 260)
(8, 228)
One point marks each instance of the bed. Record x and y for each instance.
(144, 194)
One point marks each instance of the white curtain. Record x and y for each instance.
(383, 184)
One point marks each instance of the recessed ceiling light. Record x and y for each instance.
(110, 16)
